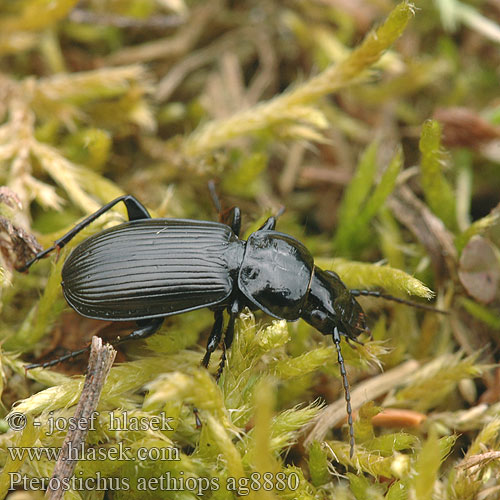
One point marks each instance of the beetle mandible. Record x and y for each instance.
(147, 269)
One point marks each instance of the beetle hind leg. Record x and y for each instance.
(135, 211)
(60, 359)
(147, 328)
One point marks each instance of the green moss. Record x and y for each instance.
(438, 192)
(318, 464)
(359, 205)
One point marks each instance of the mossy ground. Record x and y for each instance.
(377, 126)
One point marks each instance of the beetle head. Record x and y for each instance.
(332, 309)
(331, 305)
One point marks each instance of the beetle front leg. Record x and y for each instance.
(135, 210)
(214, 338)
(232, 218)
(228, 336)
(270, 224)
(228, 340)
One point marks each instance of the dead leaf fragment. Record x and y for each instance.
(478, 269)
(16, 245)
(10, 198)
(394, 417)
(464, 127)
(428, 228)
(480, 459)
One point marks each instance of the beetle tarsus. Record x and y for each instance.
(222, 363)
(197, 418)
(145, 331)
(60, 359)
(214, 338)
(37, 257)
(228, 337)
(135, 209)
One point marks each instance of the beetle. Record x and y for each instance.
(146, 269)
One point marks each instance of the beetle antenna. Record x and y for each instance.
(376, 293)
(347, 392)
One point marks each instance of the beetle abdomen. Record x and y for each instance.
(151, 268)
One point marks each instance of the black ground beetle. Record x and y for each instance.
(147, 269)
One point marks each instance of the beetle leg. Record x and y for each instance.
(269, 225)
(232, 218)
(228, 340)
(234, 311)
(228, 337)
(141, 333)
(148, 327)
(61, 359)
(197, 419)
(135, 211)
(214, 338)
(222, 362)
